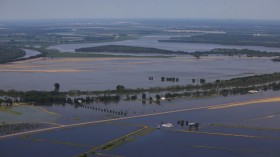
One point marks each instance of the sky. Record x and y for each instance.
(189, 9)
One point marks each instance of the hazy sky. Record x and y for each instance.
(217, 9)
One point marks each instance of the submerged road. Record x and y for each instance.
(210, 107)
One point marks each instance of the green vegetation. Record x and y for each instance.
(237, 52)
(219, 87)
(124, 49)
(230, 39)
(57, 54)
(139, 50)
(15, 53)
(9, 54)
(119, 141)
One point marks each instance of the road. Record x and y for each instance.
(210, 107)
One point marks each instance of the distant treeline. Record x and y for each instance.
(237, 52)
(139, 50)
(98, 38)
(126, 49)
(12, 54)
(219, 87)
(230, 39)
(9, 54)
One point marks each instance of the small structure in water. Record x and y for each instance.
(166, 125)
(195, 125)
(190, 125)
(252, 91)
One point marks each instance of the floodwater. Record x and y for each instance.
(25, 114)
(70, 114)
(63, 143)
(152, 41)
(30, 53)
(210, 140)
(107, 73)
(170, 143)
(260, 136)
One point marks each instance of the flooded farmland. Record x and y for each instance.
(216, 135)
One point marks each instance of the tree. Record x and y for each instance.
(120, 88)
(144, 96)
(158, 97)
(56, 87)
(202, 81)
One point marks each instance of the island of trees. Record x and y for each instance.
(9, 54)
(237, 52)
(230, 39)
(125, 49)
(143, 50)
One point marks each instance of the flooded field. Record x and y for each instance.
(171, 143)
(236, 134)
(107, 73)
(62, 142)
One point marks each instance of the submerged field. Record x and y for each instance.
(247, 125)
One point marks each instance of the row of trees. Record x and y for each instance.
(237, 52)
(223, 87)
(106, 110)
(225, 91)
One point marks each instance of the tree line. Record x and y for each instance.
(9, 54)
(230, 39)
(239, 85)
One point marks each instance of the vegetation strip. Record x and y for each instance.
(117, 141)
(9, 54)
(230, 38)
(219, 87)
(124, 49)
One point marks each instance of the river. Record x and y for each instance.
(152, 41)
